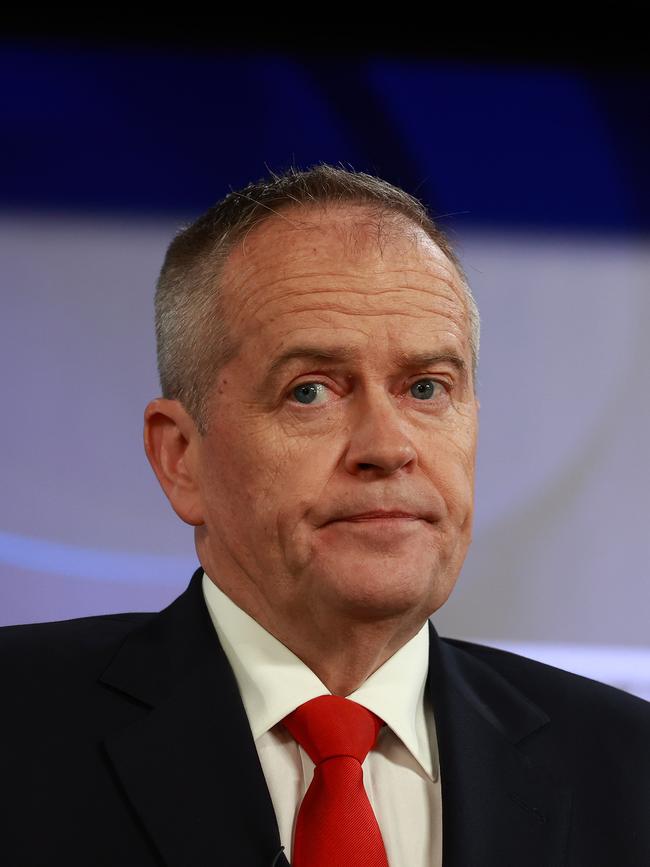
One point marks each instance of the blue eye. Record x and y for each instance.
(307, 392)
(424, 388)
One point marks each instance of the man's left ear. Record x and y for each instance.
(171, 442)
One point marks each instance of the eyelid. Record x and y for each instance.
(317, 377)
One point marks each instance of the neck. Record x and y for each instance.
(344, 664)
(342, 650)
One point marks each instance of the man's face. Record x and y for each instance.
(295, 449)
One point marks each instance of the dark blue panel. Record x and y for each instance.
(145, 130)
(518, 147)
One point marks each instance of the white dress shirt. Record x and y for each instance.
(401, 774)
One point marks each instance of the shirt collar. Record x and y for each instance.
(273, 681)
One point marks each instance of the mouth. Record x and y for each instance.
(380, 516)
(380, 528)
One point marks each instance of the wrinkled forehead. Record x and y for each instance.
(336, 254)
(298, 235)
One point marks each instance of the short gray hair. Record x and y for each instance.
(193, 339)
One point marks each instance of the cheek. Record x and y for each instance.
(451, 469)
(260, 479)
(233, 470)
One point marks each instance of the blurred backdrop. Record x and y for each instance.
(536, 167)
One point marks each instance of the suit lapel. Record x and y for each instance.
(189, 765)
(499, 808)
(190, 769)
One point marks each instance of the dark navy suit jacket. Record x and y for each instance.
(124, 741)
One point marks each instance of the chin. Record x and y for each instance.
(395, 589)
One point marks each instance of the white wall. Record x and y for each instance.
(561, 557)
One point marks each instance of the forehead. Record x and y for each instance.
(339, 266)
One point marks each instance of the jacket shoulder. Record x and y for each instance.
(62, 645)
(560, 693)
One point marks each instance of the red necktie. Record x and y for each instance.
(336, 826)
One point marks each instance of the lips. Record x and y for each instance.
(370, 516)
(413, 509)
(378, 515)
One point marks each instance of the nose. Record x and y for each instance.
(379, 437)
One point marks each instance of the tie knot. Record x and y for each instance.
(330, 726)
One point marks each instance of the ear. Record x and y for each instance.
(171, 442)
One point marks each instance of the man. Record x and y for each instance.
(317, 347)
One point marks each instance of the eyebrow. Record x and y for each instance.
(342, 354)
